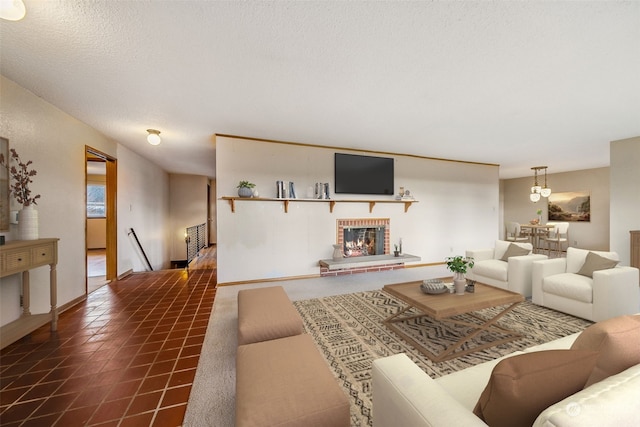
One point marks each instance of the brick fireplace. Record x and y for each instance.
(366, 246)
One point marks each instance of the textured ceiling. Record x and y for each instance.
(514, 83)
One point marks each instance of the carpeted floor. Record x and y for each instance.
(212, 398)
(349, 332)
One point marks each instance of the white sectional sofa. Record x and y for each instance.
(404, 395)
(513, 274)
(608, 293)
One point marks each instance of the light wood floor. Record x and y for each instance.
(206, 260)
(96, 262)
(96, 269)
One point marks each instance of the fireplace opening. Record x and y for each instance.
(363, 241)
(363, 236)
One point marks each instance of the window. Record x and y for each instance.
(96, 204)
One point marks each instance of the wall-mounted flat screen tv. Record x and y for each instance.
(355, 174)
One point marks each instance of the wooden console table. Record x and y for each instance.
(20, 256)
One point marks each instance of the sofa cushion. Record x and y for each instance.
(266, 314)
(286, 382)
(569, 285)
(611, 402)
(617, 340)
(576, 258)
(518, 390)
(502, 246)
(514, 250)
(595, 262)
(493, 268)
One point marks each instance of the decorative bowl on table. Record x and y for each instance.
(433, 286)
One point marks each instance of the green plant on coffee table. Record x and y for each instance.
(459, 264)
(246, 184)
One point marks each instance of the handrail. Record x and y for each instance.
(141, 249)
(195, 239)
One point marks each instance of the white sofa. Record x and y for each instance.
(513, 274)
(610, 293)
(404, 395)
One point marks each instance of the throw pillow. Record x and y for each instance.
(519, 388)
(618, 342)
(514, 250)
(595, 262)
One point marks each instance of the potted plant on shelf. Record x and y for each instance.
(458, 266)
(245, 189)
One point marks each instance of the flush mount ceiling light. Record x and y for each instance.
(537, 190)
(154, 137)
(12, 10)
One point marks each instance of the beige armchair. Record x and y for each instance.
(507, 270)
(607, 293)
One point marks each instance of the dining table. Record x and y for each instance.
(536, 232)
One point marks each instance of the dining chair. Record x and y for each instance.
(557, 237)
(513, 232)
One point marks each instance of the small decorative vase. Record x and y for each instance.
(28, 223)
(459, 283)
(245, 192)
(337, 252)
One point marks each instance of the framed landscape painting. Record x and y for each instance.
(570, 206)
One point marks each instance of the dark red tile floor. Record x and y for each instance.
(126, 356)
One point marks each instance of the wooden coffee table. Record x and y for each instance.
(443, 307)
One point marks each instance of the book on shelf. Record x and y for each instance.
(285, 190)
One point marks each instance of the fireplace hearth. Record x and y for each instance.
(356, 236)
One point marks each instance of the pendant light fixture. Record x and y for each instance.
(153, 136)
(537, 190)
(546, 191)
(12, 10)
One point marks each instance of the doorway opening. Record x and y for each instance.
(100, 219)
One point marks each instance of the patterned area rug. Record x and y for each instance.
(349, 332)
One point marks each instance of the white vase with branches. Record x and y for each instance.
(21, 177)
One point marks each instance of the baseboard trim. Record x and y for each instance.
(275, 279)
(71, 303)
(129, 272)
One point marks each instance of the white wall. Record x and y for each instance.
(589, 235)
(143, 204)
(188, 207)
(625, 194)
(457, 209)
(55, 142)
